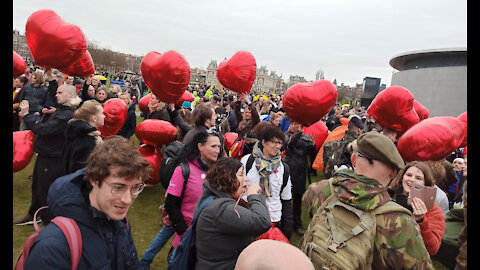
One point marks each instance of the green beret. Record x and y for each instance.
(379, 147)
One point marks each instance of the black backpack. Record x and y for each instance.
(171, 158)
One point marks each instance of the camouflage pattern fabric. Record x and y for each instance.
(338, 152)
(398, 242)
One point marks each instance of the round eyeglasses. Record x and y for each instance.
(119, 189)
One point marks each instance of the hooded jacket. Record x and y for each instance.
(49, 131)
(221, 234)
(80, 140)
(130, 124)
(107, 244)
(398, 242)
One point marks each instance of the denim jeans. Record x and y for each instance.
(157, 243)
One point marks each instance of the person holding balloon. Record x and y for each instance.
(48, 144)
(248, 119)
(299, 147)
(36, 94)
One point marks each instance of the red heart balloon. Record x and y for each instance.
(22, 149)
(166, 75)
(115, 112)
(393, 108)
(421, 111)
(238, 73)
(19, 65)
(143, 104)
(187, 96)
(229, 138)
(53, 42)
(82, 67)
(155, 132)
(154, 156)
(318, 131)
(307, 103)
(431, 139)
(463, 117)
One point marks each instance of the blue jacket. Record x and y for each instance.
(107, 244)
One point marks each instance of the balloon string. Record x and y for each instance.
(234, 208)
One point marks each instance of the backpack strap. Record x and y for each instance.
(286, 174)
(286, 171)
(74, 238)
(249, 164)
(186, 173)
(200, 208)
(336, 239)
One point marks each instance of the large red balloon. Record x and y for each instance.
(463, 117)
(167, 75)
(143, 104)
(154, 156)
(318, 131)
(393, 108)
(155, 132)
(82, 67)
(431, 139)
(115, 112)
(19, 65)
(53, 42)
(22, 149)
(421, 111)
(187, 96)
(238, 73)
(307, 103)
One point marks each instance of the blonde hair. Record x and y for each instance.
(87, 110)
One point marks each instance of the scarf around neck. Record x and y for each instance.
(265, 166)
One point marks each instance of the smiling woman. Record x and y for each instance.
(431, 221)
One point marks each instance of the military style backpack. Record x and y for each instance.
(332, 156)
(341, 236)
(337, 153)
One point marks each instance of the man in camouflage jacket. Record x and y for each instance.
(398, 242)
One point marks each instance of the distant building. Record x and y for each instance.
(266, 83)
(20, 46)
(320, 75)
(211, 76)
(198, 76)
(294, 80)
(437, 78)
(370, 89)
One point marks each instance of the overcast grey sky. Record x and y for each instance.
(348, 40)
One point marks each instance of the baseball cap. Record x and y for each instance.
(356, 121)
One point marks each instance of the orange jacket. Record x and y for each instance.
(335, 135)
(432, 229)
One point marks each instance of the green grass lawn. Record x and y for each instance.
(144, 215)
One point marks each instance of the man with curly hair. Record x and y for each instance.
(97, 198)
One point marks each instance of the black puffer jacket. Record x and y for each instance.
(299, 146)
(80, 142)
(49, 131)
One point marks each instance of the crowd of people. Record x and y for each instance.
(258, 183)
